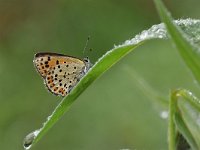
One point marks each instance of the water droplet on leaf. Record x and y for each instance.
(164, 114)
(28, 140)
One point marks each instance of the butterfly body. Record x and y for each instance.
(60, 72)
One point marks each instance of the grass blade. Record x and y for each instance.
(146, 89)
(103, 64)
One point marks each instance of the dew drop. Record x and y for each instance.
(159, 31)
(28, 140)
(48, 118)
(164, 114)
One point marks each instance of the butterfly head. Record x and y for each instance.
(88, 64)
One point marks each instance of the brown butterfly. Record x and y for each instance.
(60, 72)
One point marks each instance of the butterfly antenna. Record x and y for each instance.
(86, 44)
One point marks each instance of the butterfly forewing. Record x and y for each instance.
(60, 73)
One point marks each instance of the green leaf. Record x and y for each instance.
(181, 119)
(103, 64)
(184, 43)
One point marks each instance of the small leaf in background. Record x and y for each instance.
(158, 100)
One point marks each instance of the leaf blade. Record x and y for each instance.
(103, 64)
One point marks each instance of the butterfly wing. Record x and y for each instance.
(60, 72)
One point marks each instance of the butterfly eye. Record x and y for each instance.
(86, 59)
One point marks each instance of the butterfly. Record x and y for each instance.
(60, 72)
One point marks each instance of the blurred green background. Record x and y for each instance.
(112, 113)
